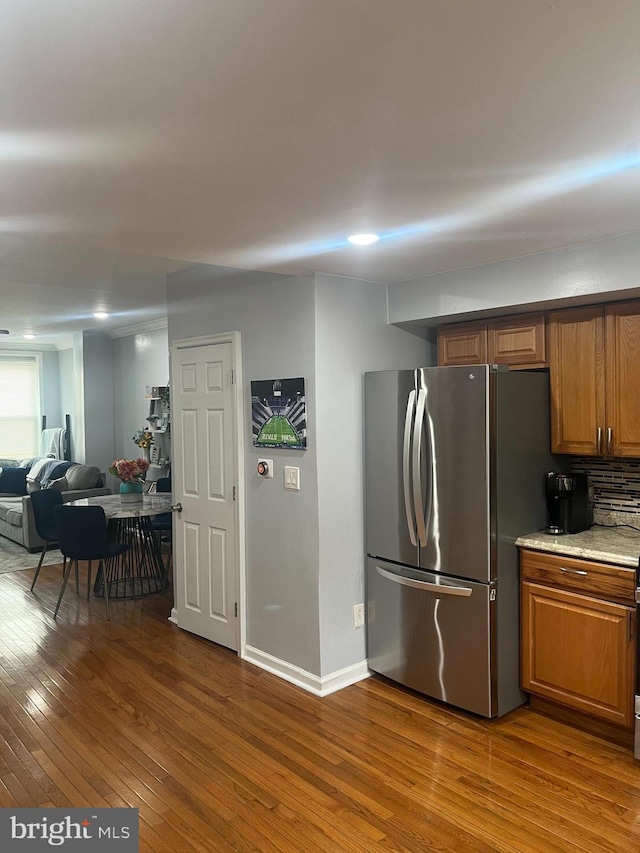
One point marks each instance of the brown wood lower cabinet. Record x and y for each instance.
(578, 650)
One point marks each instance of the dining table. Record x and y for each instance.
(141, 570)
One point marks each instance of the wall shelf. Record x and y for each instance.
(160, 451)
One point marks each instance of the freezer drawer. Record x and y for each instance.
(431, 633)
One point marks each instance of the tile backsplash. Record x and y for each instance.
(616, 483)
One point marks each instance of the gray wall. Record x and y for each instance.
(51, 390)
(138, 360)
(94, 399)
(305, 550)
(352, 337)
(599, 270)
(275, 315)
(67, 393)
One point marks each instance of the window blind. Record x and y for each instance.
(19, 407)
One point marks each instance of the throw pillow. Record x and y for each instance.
(61, 485)
(83, 476)
(14, 481)
(33, 487)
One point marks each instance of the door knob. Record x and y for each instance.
(176, 507)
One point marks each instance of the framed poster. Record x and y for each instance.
(279, 413)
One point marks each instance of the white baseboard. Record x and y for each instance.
(174, 616)
(300, 677)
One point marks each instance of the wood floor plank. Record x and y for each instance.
(222, 757)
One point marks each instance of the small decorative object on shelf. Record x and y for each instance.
(144, 439)
(131, 473)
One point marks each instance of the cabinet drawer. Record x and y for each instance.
(601, 580)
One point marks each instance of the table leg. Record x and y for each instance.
(139, 571)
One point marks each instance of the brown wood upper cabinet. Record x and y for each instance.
(594, 359)
(517, 341)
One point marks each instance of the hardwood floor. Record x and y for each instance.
(221, 756)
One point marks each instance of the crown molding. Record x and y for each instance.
(28, 347)
(138, 329)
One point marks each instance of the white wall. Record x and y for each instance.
(352, 337)
(275, 315)
(138, 360)
(597, 271)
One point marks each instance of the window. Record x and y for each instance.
(19, 406)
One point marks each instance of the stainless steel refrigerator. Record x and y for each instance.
(455, 463)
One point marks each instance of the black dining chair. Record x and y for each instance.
(161, 524)
(82, 535)
(44, 503)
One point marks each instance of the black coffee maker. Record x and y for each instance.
(569, 501)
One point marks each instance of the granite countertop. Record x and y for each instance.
(617, 544)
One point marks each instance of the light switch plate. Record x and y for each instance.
(292, 478)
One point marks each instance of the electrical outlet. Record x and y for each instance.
(358, 615)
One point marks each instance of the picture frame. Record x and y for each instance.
(279, 413)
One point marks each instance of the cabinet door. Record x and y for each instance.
(622, 348)
(463, 344)
(578, 651)
(576, 362)
(517, 341)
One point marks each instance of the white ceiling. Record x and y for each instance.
(260, 133)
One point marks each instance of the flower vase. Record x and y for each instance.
(130, 492)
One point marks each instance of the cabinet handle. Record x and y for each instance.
(599, 440)
(609, 440)
(573, 571)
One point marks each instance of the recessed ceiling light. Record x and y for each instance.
(28, 337)
(363, 239)
(100, 315)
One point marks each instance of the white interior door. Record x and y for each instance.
(206, 564)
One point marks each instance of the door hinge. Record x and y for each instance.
(235, 609)
(233, 379)
(492, 595)
(234, 493)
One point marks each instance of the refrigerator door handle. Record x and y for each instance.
(429, 587)
(406, 471)
(418, 432)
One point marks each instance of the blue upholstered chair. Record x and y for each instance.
(43, 504)
(82, 535)
(161, 524)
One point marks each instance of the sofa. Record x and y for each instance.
(16, 512)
